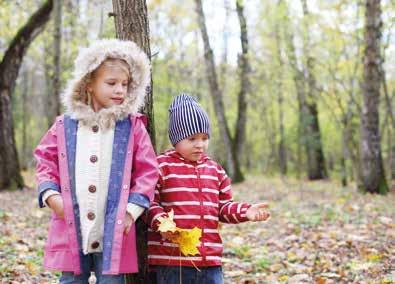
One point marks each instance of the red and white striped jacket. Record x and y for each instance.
(200, 195)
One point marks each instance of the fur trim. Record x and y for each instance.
(74, 97)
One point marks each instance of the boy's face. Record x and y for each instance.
(193, 147)
(108, 87)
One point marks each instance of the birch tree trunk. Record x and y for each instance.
(216, 95)
(373, 177)
(245, 85)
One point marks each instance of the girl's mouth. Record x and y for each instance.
(117, 100)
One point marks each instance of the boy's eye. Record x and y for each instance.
(111, 83)
(191, 139)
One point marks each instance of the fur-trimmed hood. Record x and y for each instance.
(74, 97)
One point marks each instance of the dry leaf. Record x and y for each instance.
(167, 223)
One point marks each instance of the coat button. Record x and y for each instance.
(95, 128)
(95, 245)
(92, 188)
(93, 158)
(91, 216)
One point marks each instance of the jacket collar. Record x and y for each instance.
(174, 154)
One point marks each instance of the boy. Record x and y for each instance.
(198, 190)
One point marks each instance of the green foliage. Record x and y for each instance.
(243, 251)
(263, 263)
(335, 34)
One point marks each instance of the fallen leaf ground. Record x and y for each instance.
(319, 233)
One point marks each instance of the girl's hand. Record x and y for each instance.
(55, 202)
(258, 212)
(128, 222)
(169, 235)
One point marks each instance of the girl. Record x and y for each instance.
(96, 168)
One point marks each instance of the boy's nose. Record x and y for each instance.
(199, 144)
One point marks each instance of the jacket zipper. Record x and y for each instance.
(201, 214)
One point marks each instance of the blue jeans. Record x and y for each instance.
(188, 275)
(91, 262)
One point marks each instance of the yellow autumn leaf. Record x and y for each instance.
(374, 257)
(188, 240)
(167, 224)
(283, 278)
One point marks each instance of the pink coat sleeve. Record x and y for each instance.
(145, 167)
(47, 168)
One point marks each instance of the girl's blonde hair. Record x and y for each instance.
(113, 62)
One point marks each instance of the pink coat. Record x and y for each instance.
(135, 182)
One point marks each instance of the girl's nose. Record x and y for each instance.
(119, 89)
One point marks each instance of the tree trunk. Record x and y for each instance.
(282, 154)
(131, 23)
(373, 177)
(216, 95)
(225, 39)
(298, 78)
(55, 101)
(10, 176)
(25, 113)
(315, 154)
(344, 156)
(245, 85)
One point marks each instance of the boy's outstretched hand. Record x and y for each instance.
(258, 212)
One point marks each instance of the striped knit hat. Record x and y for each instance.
(186, 118)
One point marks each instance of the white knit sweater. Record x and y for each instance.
(92, 172)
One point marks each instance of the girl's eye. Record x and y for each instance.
(191, 139)
(111, 83)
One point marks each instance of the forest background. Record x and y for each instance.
(292, 86)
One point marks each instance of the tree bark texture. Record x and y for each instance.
(131, 23)
(373, 177)
(10, 176)
(245, 85)
(55, 96)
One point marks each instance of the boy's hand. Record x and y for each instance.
(128, 222)
(258, 212)
(169, 235)
(55, 202)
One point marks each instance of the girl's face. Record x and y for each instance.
(108, 87)
(193, 147)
